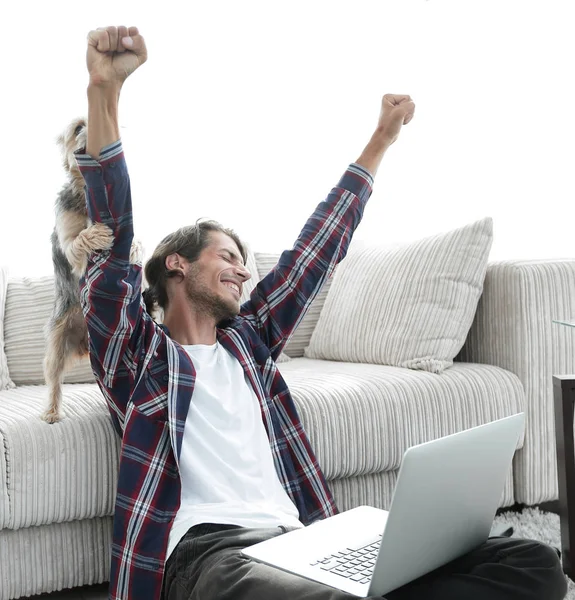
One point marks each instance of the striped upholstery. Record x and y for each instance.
(252, 267)
(5, 381)
(57, 472)
(376, 489)
(53, 557)
(302, 335)
(361, 418)
(29, 304)
(513, 329)
(68, 471)
(4, 494)
(409, 307)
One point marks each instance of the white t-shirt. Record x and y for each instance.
(226, 464)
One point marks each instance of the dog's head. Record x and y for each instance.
(72, 139)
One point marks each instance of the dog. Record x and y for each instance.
(73, 239)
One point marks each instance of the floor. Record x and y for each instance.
(100, 592)
(93, 592)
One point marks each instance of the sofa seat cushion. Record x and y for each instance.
(60, 472)
(361, 418)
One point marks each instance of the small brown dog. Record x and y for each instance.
(74, 238)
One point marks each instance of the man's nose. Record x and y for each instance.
(244, 273)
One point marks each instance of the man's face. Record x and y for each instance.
(215, 281)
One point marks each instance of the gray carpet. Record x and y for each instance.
(536, 525)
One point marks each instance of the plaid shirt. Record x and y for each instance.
(148, 379)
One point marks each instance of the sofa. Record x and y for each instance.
(58, 482)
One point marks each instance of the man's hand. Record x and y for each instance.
(396, 111)
(113, 54)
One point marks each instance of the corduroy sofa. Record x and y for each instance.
(58, 482)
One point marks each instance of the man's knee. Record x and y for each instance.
(531, 552)
(548, 554)
(543, 563)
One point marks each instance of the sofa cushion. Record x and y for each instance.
(252, 267)
(5, 381)
(361, 418)
(37, 560)
(60, 472)
(302, 335)
(4, 497)
(248, 287)
(29, 304)
(408, 307)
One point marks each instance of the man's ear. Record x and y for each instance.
(172, 261)
(175, 262)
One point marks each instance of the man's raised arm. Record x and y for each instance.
(281, 299)
(110, 292)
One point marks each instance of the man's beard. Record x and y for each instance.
(205, 300)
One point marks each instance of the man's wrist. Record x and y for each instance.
(103, 127)
(109, 92)
(373, 153)
(380, 139)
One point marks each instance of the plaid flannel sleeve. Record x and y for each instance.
(119, 327)
(281, 299)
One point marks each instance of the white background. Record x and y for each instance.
(249, 112)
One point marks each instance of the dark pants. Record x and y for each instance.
(207, 565)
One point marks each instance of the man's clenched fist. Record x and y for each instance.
(113, 54)
(396, 110)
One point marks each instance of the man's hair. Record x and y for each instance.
(188, 242)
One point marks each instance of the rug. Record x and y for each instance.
(534, 524)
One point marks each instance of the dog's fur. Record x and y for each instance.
(74, 238)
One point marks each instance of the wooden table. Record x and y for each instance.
(564, 400)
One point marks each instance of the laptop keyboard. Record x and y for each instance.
(353, 563)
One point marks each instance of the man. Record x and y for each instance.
(214, 457)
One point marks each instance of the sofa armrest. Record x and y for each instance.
(514, 329)
(513, 326)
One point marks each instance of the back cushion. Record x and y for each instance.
(252, 267)
(28, 308)
(409, 307)
(302, 335)
(5, 381)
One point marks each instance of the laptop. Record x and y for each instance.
(443, 506)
